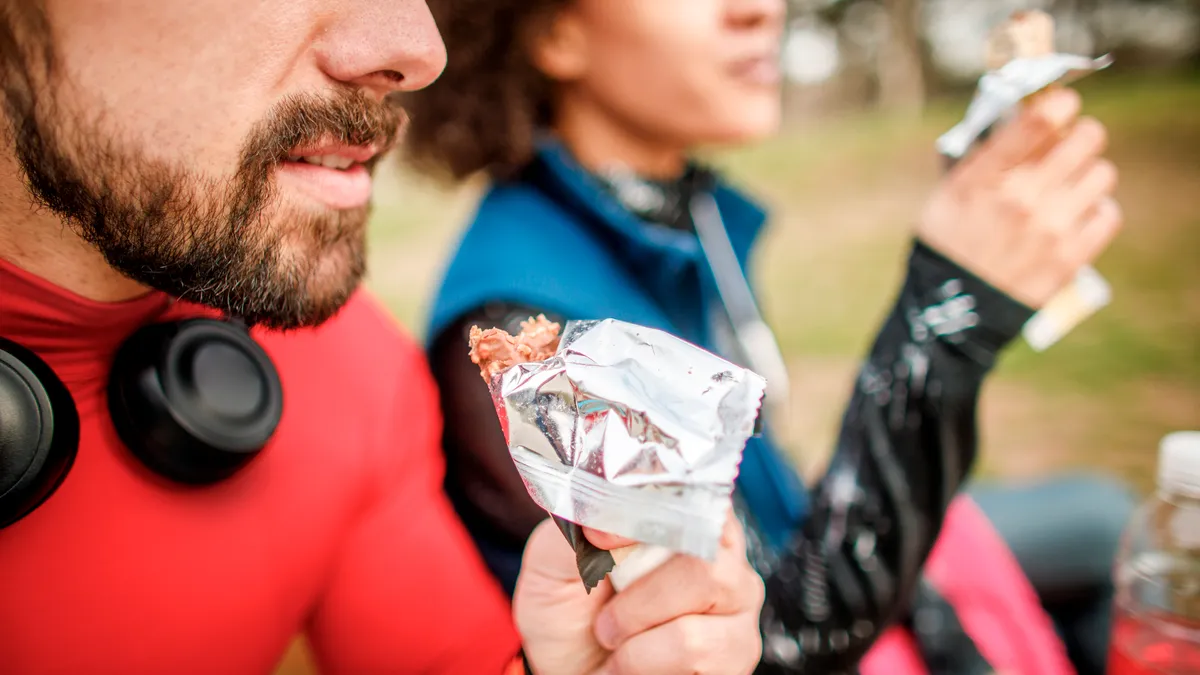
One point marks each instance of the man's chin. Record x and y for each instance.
(335, 279)
(296, 293)
(313, 312)
(327, 297)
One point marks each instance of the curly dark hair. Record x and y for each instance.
(483, 113)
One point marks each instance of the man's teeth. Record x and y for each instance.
(327, 161)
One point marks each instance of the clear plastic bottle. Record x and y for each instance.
(1156, 619)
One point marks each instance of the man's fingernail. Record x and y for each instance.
(606, 631)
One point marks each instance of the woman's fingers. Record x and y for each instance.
(1099, 229)
(1097, 183)
(1036, 128)
(1086, 141)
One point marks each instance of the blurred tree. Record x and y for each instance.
(898, 53)
(881, 40)
(900, 72)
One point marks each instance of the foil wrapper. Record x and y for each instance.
(631, 431)
(1001, 91)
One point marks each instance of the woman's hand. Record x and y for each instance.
(687, 616)
(1032, 205)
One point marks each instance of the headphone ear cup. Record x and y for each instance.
(196, 400)
(39, 432)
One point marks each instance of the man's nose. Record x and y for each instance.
(382, 46)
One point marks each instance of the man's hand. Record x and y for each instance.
(1032, 205)
(687, 616)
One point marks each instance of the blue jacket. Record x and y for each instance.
(554, 239)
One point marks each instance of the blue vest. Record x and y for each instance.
(554, 239)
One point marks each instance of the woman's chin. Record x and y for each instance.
(747, 131)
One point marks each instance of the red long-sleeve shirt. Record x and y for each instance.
(339, 528)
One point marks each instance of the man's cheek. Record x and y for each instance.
(208, 145)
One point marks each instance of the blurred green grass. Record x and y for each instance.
(843, 195)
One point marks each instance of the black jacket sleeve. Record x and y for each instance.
(907, 442)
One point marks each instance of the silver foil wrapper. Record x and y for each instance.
(631, 431)
(1001, 91)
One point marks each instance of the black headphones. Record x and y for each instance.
(193, 400)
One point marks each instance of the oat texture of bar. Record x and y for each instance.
(495, 350)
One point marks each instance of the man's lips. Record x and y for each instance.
(336, 175)
(353, 153)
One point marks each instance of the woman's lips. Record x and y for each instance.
(762, 71)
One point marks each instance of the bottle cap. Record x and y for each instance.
(1179, 463)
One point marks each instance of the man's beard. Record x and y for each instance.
(229, 245)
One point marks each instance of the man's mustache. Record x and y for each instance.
(348, 118)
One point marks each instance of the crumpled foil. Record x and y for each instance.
(1000, 91)
(631, 431)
